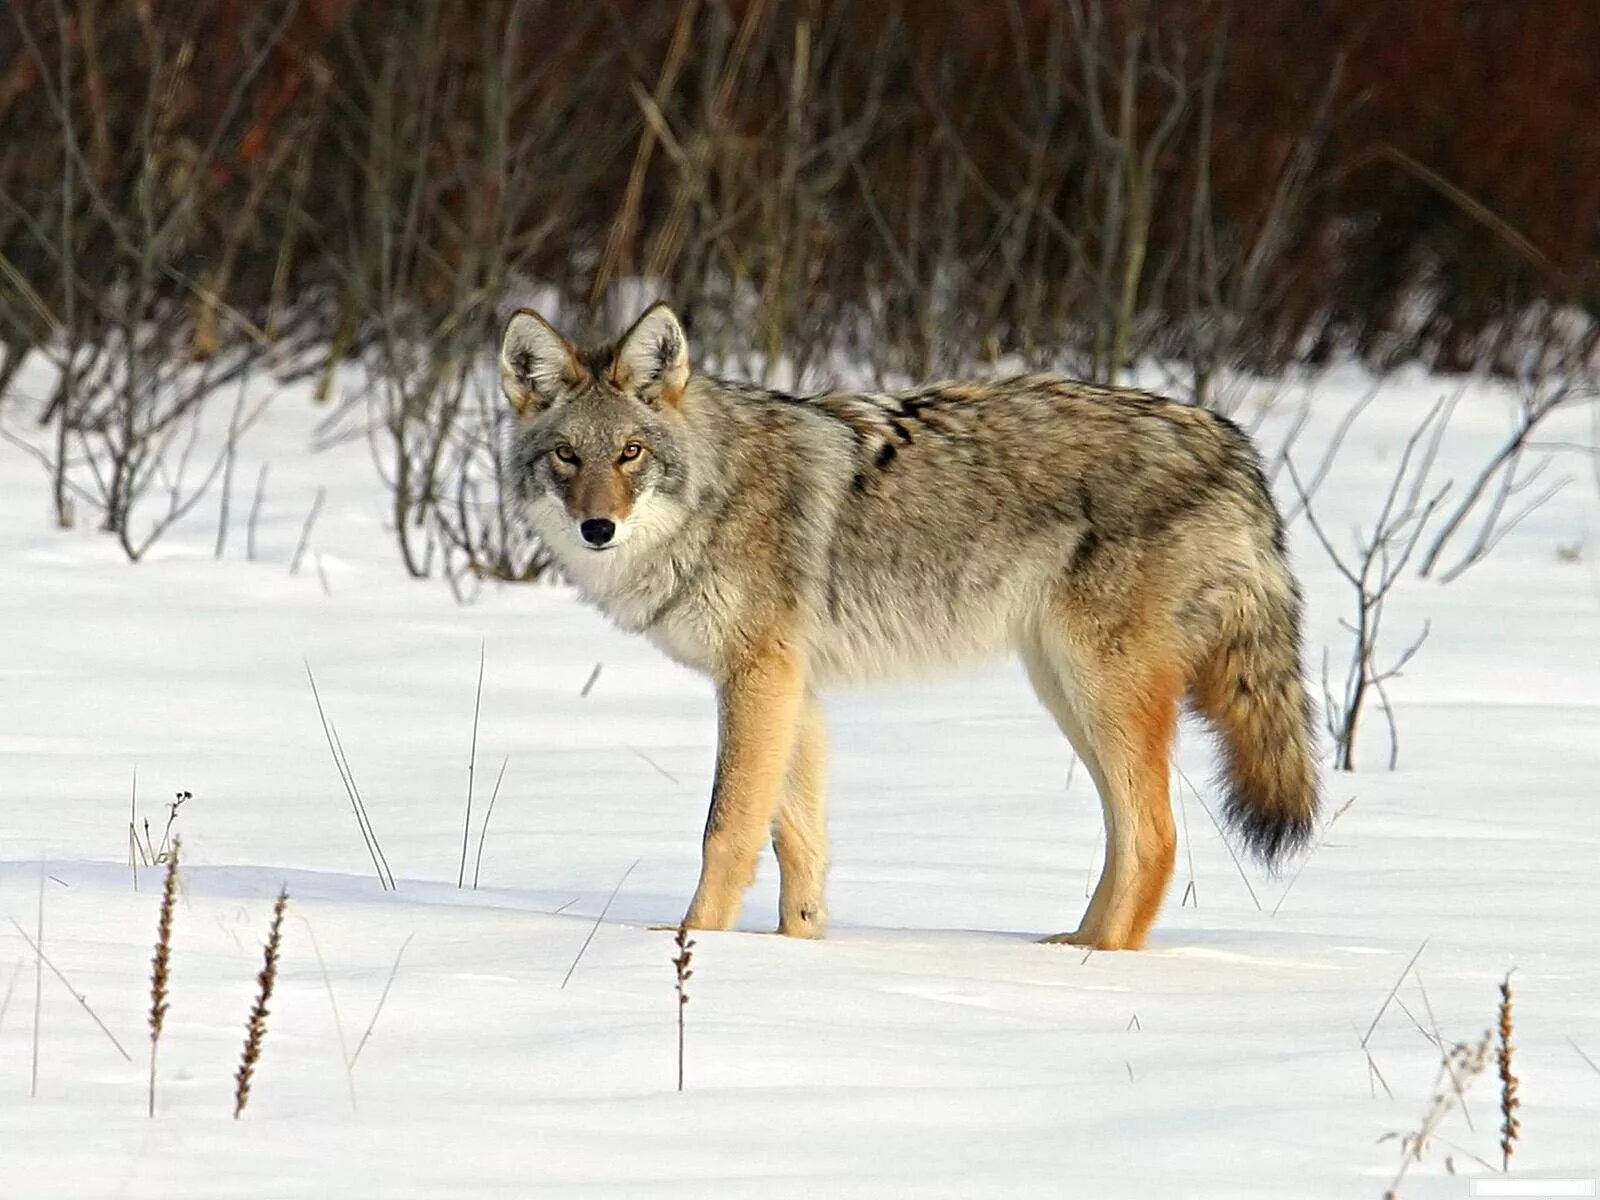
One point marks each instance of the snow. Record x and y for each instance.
(927, 1048)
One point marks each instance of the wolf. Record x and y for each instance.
(1125, 546)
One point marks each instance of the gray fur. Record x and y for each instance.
(886, 534)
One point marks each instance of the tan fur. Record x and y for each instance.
(758, 705)
(600, 490)
(800, 835)
(1124, 545)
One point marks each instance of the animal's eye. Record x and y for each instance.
(630, 452)
(566, 454)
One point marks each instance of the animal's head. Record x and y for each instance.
(596, 459)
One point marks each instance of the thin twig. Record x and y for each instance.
(11, 987)
(1456, 1082)
(483, 831)
(1389, 999)
(255, 513)
(341, 764)
(378, 1011)
(1305, 862)
(305, 531)
(660, 770)
(1217, 825)
(134, 849)
(472, 767)
(38, 984)
(80, 997)
(595, 928)
(1593, 1066)
(1189, 888)
(333, 1003)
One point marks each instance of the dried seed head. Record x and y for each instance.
(256, 1027)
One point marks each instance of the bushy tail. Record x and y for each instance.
(1251, 691)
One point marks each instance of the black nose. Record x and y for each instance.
(597, 531)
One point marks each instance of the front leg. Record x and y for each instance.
(799, 834)
(758, 704)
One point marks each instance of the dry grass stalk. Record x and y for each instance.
(135, 851)
(483, 832)
(1510, 1127)
(341, 762)
(80, 997)
(394, 969)
(1593, 1066)
(1372, 1066)
(38, 986)
(1322, 837)
(256, 1027)
(595, 928)
(161, 963)
(338, 1025)
(1458, 1067)
(680, 964)
(472, 769)
(11, 987)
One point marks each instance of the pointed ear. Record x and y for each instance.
(653, 357)
(534, 361)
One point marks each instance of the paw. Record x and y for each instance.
(1075, 938)
(1093, 941)
(802, 929)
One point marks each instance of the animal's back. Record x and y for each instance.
(967, 505)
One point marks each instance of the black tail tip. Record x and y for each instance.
(1271, 832)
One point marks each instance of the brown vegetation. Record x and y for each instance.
(1018, 176)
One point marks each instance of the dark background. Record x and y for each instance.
(923, 184)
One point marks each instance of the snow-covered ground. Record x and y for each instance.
(927, 1048)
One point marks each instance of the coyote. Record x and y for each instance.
(1124, 545)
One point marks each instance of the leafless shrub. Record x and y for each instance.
(1372, 569)
(1230, 269)
(477, 532)
(439, 246)
(1557, 373)
(133, 336)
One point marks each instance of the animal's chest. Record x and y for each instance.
(671, 613)
(685, 639)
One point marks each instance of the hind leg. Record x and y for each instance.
(799, 833)
(1125, 709)
(1048, 685)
